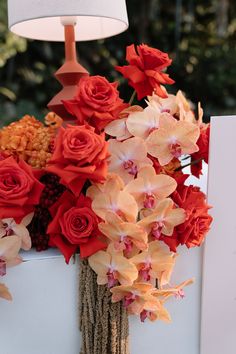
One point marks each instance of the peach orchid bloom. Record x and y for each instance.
(168, 105)
(141, 124)
(185, 108)
(134, 296)
(176, 291)
(118, 127)
(13, 237)
(9, 249)
(123, 234)
(8, 227)
(112, 181)
(149, 187)
(163, 219)
(4, 292)
(112, 268)
(154, 311)
(138, 300)
(173, 139)
(157, 262)
(113, 199)
(200, 115)
(128, 157)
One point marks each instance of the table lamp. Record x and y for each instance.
(69, 21)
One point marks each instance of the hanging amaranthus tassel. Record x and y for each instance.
(104, 325)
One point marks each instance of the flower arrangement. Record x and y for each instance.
(111, 185)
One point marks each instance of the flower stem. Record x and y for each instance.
(189, 164)
(132, 98)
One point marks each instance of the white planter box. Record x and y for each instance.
(43, 318)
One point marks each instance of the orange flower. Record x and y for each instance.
(118, 127)
(176, 291)
(4, 292)
(128, 157)
(173, 139)
(185, 109)
(162, 105)
(156, 262)
(112, 268)
(79, 154)
(97, 101)
(125, 235)
(145, 70)
(163, 219)
(141, 124)
(197, 224)
(134, 296)
(111, 197)
(149, 187)
(155, 311)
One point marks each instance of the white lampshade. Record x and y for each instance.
(42, 19)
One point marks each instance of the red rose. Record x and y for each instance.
(79, 154)
(19, 190)
(74, 226)
(145, 70)
(203, 152)
(197, 224)
(97, 102)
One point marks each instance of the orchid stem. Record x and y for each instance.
(189, 164)
(132, 98)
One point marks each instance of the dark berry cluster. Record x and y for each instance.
(38, 226)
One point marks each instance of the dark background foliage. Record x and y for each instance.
(200, 36)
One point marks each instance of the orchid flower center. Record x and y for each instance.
(127, 243)
(180, 294)
(144, 315)
(112, 277)
(165, 110)
(130, 167)
(129, 299)
(149, 201)
(2, 267)
(8, 230)
(175, 150)
(157, 229)
(144, 271)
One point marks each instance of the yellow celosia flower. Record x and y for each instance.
(128, 157)
(124, 235)
(29, 139)
(156, 262)
(163, 219)
(173, 139)
(149, 187)
(112, 268)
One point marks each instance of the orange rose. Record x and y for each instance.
(145, 70)
(79, 154)
(197, 224)
(74, 226)
(97, 101)
(202, 154)
(20, 191)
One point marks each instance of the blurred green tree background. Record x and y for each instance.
(200, 36)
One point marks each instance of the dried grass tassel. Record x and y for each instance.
(104, 326)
